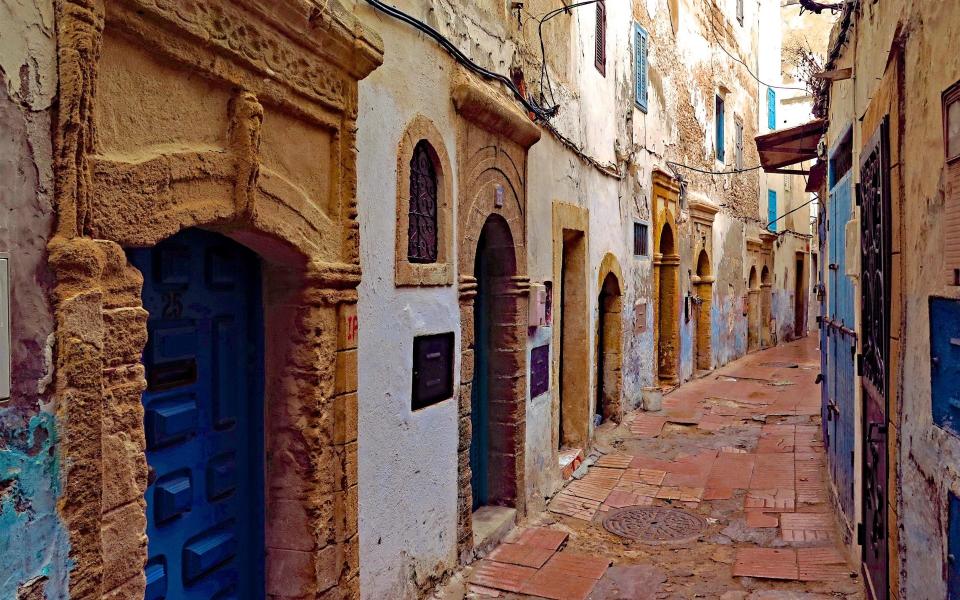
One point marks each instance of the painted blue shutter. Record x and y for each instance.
(641, 48)
(771, 108)
(720, 149)
(771, 210)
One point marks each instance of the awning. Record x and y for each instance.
(818, 173)
(787, 147)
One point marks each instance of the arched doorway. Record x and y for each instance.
(203, 415)
(753, 311)
(609, 350)
(766, 307)
(704, 283)
(493, 406)
(667, 265)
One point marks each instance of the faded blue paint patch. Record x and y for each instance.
(782, 309)
(687, 332)
(728, 329)
(34, 541)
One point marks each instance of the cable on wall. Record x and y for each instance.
(542, 115)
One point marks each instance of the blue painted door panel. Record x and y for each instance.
(840, 344)
(203, 415)
(945, 363)
(953, 550)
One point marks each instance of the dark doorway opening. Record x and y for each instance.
(799, 300)
(493, 417)
(609, 306)
(573, 376)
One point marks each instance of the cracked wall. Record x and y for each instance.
(30, 485)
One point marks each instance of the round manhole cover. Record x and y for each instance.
(655, 525)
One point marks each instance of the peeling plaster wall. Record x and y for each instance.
(407, 459)
(729, 323)
(687, 70)
(34, 545)
(405, 455)
(927, 457)
(924, 458)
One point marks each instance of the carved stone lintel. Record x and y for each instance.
(480, 104)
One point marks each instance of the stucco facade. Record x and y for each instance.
(888, 47)
(295, 132)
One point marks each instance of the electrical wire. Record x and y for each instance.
(544, 70)
(542, 115)
(790, 212)
(708, 172)
(533, 107)
(716, 38)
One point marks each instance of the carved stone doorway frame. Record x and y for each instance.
(179, 115)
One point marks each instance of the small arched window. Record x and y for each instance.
(422, 238)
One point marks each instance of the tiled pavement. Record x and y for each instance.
(742, 448)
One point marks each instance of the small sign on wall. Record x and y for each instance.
(640, 316)
(432, 369)
(539, 370)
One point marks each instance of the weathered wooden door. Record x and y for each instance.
(840, 340)
(203, 415)
(875, 348)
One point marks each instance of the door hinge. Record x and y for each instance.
(851, 459)
(857, 194)
(861, 534)
(859, 365)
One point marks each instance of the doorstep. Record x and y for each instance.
(570, 460)
(490, 525)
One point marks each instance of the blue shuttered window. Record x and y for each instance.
(771, 108)
(719, 117)
(771, 210)
(640, 44)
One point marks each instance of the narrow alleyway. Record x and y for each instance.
(740, 453)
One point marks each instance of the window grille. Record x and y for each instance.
(601, 39)
(640, 239)
(422, 229)
(721, 154)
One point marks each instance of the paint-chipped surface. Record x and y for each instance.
(34, 546)
(29, 490)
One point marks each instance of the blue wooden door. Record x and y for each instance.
(841, 348)
(203, 414)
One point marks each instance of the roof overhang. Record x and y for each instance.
(818, 174)
(787, 147)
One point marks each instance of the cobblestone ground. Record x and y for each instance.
(740, 453)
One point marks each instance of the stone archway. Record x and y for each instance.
(493, 405)
(753, 310)
(492, 146)
(609, 344)
(666, 265)
(703, 281)
(766, 307)
(192, 133)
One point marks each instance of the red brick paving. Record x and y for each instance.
(500, 576)
(521, 554)
(779, 482)
(558, 585)
(768, 563)
(539, 537)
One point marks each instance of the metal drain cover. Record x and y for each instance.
(781, 365)
(654, 524)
